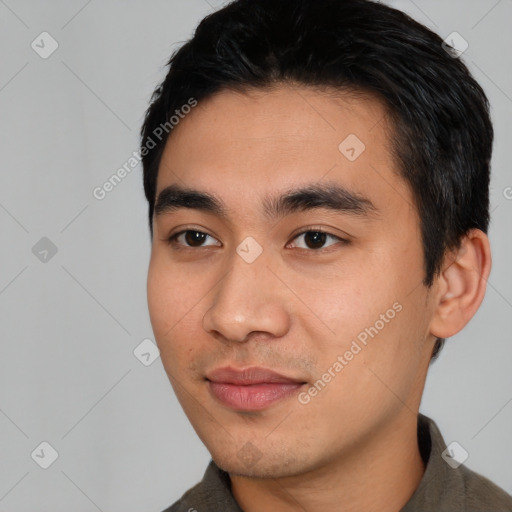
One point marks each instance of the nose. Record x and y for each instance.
(248, 299)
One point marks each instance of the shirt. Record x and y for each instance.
(444, 487)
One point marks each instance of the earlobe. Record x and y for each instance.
(461, 284)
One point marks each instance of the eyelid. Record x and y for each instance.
(319, 229)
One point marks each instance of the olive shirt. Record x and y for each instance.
(443, 488)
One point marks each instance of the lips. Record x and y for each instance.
(251, 389)
(249, 376)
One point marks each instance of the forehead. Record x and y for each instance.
(245, 146)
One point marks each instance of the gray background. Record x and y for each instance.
(69, 325)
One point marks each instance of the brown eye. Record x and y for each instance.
(316, 239)
(191, 238)
(194, 238)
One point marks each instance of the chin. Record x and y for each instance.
(250, 464)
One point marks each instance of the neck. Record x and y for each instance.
(380, 476)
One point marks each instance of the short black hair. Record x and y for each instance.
(443, 135)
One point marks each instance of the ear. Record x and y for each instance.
(461, 284)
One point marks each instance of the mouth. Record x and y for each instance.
(251, 389)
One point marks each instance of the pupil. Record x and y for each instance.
(316, 237)
(198, 238)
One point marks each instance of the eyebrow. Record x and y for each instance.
(329, 196)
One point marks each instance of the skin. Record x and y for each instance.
(295, 309)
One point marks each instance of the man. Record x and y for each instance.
(317, 175)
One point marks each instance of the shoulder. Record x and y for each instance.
(212, 494)
(449, 487)
(482, 494)
(182, 504)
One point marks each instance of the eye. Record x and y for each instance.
(190, 238)
(315, 239)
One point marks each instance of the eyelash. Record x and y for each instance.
(309, 229)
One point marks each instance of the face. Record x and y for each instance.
(306, 261)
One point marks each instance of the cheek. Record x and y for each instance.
(171, 295)
(164, 311)
(175, 303)
(373, 322)
(372, 297)
(344, 306)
